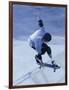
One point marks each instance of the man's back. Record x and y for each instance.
(36, 37)
(38, 34)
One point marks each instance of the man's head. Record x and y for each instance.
(47, 37)
(40, 22)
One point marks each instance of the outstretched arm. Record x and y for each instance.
(40, 22)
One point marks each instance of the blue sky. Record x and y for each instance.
(25, 21)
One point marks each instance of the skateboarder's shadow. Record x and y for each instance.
(52, 65)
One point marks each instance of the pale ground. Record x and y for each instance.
(24, 62)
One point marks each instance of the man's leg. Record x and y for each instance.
(46, 48)
(39, 59)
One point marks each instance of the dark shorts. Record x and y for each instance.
(45, 48)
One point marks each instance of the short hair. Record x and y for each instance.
(47, 37)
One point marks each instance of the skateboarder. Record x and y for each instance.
(38, 41)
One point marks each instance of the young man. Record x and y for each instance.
(38, 41)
